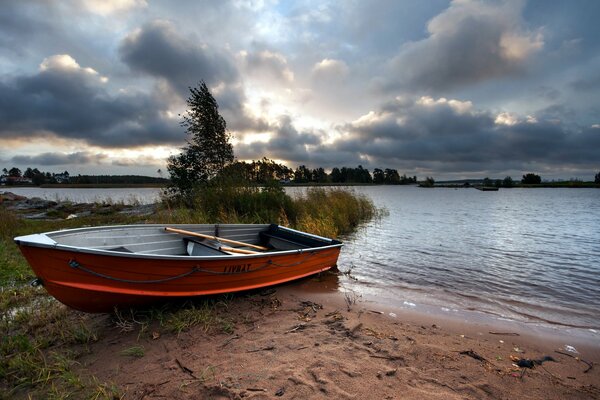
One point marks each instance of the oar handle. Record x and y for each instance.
(220, 239)
(234, 250)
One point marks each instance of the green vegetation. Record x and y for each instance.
(135, 351)
(324, 211)
(208, 150)
(42, 340)
(428, 182)
(531, 179)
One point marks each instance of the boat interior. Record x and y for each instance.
(154, 239)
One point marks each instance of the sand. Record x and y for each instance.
(303, 340)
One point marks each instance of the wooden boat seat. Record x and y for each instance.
(288, 239)
(278, 243)
(202, 247)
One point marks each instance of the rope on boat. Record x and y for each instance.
(74, 264)
(208, 271)
(270, 262)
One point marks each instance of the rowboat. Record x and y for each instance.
(97, 269)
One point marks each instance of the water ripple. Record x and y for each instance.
(532, 255)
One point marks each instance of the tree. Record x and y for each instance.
(597, 178)
(391, 176)
(208, 148)
(319, 175)
(508, 182)
(378, 176)
(336, 175)
(428, 182)
(302, 174)
(531, 179)
(29, 173)
(14, 172)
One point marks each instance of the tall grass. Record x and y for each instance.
(324, 211)
(332, 212)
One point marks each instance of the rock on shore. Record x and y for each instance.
(38, 208)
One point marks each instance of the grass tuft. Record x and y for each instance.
(135, 351)
(203, 314)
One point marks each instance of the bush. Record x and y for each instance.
(326, 212)
(531, 179)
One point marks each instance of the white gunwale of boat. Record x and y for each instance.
(45, 240)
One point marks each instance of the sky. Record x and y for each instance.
(449, 89)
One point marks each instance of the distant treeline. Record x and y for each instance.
(33, 176)
(15, 176)
(265, 170)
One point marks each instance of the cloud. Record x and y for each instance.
(469, 42)
(285, 143)
(70, 101)
(51, 159)
(330, 70)
(157, 49)
(267, 65)
(428, 132)
(107, 7)
(66, 63)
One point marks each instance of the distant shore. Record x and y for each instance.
(99, 185)
(561, 185)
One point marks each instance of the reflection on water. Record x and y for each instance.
(526, 254)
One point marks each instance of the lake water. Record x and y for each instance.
(529, 255)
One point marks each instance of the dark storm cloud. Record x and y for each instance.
(71, 102)
(159, 50)
(444, 136)
(428, 132)
(49, 159)
(20, 22)
(468, 43)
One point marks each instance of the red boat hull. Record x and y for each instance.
(100, 282)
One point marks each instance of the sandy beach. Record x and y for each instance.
(305, 340)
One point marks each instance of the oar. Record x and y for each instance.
(234, 250)
(220, 239)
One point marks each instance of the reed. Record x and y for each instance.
(324, 211)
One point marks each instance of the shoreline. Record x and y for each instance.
(459, 319)
(303, 340)
(581, 335)
(64, 209)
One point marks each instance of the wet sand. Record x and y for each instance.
(306, 340)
